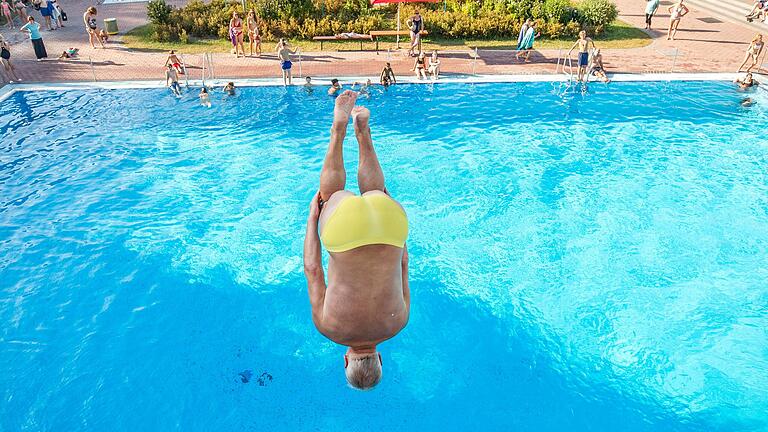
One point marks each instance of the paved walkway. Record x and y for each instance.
(701, 46)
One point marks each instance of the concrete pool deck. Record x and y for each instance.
(701, 47)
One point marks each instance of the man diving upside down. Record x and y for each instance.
(367, 299)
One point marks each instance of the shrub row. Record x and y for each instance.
(307, 18)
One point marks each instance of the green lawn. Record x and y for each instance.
(618, 35)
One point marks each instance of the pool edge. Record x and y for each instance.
(10, 89)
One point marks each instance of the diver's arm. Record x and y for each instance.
(313, 265)
(406, 286)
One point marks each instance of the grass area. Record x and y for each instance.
(618, 35)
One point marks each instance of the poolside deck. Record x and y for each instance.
(701, 47)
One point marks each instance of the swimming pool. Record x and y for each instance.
(578, 262)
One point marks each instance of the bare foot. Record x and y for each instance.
(360, 117)
(344, 104)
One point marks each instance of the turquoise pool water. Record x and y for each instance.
(578, 262)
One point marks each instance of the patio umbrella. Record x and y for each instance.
(399, 3)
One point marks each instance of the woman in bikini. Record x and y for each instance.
(420, 66)
(253, 33)
(89, 18)
(753, 52)
(676, 12)
(7, 13)
(236, 34)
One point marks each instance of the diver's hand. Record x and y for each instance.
(314, 207)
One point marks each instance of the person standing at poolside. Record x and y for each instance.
(367, 298)
(583, 44)
(753, 52)
(523, 30)
(416, 24)
(21, 10)
(89, 19)
(526, 46)
(676, 12)
(6, 9)
(253, 33)
(33, 29)
(284, 54)
(174, 61)
(236, 34)
(650, 10)
(387, 77)
(5, 60)
(45, 11)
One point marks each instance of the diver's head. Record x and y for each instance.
(363, 368)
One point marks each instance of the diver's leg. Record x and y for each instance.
(369, 174)
(333, 177)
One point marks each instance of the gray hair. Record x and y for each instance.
(363, 373)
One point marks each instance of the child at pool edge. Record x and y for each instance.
(367, 298)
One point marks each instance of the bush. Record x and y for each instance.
(557, 11)
(307, 18)
(596, 14)
(158, 12)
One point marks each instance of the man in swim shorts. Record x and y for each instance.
(284, 53)
(583, 44)
(367, 298)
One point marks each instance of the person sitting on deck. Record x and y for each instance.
(420, 66)
(596, 67)
(583, 44)
(434, 66)
(759, 10)
(69, 53)
(387, 77)
(335, 88)
(367, 298)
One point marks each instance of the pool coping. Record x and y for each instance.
(10, 89)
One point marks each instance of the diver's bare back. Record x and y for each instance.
(364, 300)
(367, 297)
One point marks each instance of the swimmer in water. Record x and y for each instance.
(229, 89)
(308, 86)
(747, 102)
(367, 299)
(746, 82)
(205, 98)
(172, 80)
(335, 88)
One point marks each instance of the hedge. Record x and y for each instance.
(477, 19)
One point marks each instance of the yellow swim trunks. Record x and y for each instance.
(365, 220)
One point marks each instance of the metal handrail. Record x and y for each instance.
(184, 68)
